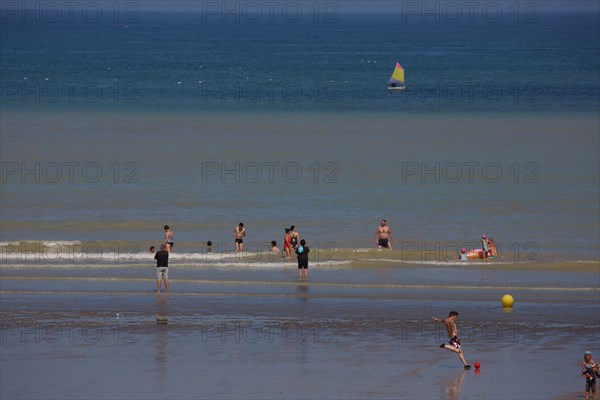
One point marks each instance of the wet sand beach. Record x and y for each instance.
(232, 334)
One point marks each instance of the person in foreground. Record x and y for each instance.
(383, 236)
(589, 369)
(162, 268)
(302, 252)
(454, 341)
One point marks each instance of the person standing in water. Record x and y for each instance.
(302, 253)
(294, 237)
(162, 268)
(485, 248)
(383, 236)
(287, 246)
(169, 235)
(239, 233)
(453, 339)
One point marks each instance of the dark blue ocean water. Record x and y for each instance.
(202, 62)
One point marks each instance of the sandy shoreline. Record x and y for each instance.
(229, 336)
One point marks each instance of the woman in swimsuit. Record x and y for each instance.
(169, 238)
(493, 248)
(294, 237)
(287, 246)
(484, 246)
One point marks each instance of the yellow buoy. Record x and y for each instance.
(507, 300)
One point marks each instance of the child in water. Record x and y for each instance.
(302, 252)
(274, 248)
(463, 255)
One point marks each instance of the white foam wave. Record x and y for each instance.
(42, 243)
(58, 256)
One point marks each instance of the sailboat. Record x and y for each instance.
(396, 82)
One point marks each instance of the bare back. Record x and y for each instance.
(450, 327)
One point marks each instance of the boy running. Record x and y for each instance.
(454, 341)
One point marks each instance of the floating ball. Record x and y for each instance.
(507, 300)
(477, 365)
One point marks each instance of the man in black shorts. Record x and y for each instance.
(239, 233)
(302, 253)
(383, 236)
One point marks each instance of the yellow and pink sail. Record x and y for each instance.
(397, 79)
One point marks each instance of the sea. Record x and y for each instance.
(116, 120)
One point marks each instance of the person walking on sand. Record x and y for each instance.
(162, 268)
(302, 253)
(589, 369)
(239, 233)
(453, 339)
(383, 236)
(169, 238)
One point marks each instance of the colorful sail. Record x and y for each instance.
(398, 75)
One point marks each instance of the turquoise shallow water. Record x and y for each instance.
(116, 179)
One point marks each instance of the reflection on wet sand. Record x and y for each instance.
(453, 387)
(302, 292)
(161, 339)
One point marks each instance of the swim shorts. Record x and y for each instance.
(454, 341)
(303, 264)
(383, 242)
(239, 240)
(590, 384)
(162, 273)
